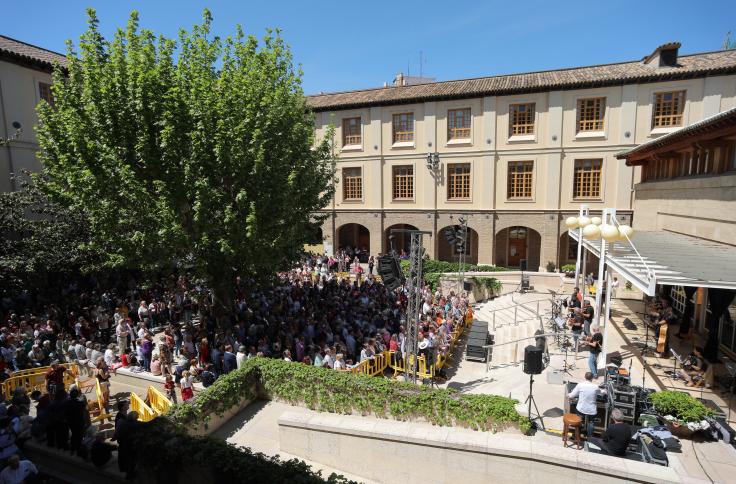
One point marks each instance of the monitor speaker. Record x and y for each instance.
(522, 265)
(533, 360)
(467, 286)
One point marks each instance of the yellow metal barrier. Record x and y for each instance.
(145, 413)
(35, 379)
(158, 401)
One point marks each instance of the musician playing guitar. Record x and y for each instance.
(661, 315)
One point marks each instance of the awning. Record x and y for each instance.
(670, 259)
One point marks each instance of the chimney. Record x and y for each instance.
(399, 80)
(664, 56)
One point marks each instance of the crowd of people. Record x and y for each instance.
(309, 315)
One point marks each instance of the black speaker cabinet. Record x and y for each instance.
(523, 265)
(533, 360)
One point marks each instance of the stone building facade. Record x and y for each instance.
(518, 153)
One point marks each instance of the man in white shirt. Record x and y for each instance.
(586, 393)
(240, 357)
(17, 471)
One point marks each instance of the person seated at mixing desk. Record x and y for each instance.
(615, 440)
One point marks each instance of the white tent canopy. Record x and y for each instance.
(670, 259)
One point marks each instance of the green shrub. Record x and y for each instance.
(490, 283)
(568, 268)
(432, 279)
(432, 266)
(338, 392)
(680, 405)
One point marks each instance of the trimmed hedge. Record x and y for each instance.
(438, 266)
(568, 268)
(338, 392)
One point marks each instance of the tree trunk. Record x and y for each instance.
(223, 305)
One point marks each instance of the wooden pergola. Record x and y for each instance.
(704, 148)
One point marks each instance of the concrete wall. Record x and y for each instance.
(402, 452)
(702, 207)
(18, 98)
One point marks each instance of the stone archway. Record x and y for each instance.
(517, 244)
(569, 253)
(354, 238)
(402, 241)
(449, 253)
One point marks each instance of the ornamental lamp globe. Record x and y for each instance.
(626, 231)
(583, 221)
(591, 232)
(596, 221)
(609, 233)
(571, 222)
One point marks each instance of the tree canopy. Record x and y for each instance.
(197, 152)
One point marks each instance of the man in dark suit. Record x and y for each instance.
(230, 361)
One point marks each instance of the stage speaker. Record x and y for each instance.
(533, 360)
(390, 271)
(467, 286)
(522, 265)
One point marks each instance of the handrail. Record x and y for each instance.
(145, 413)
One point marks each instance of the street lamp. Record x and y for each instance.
(433, 161)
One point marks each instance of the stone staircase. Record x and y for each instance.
(512, 317)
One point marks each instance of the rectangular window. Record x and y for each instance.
(587, 179)
(403, 127)
(668, 108)
(458, 181)
(352, 184)
(520, 179)
(44, 92)
(458, 124)
(732, 157)
(351, 132)
(521, 119)
(591, 113)
(403, 188)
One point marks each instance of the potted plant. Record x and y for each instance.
(679, 409)
(569, 270)
(550, 266)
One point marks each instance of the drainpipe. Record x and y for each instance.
(11, 167)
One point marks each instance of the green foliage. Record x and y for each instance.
(681, 405)
(550, 266)
(728, 42)
(183, 458)
(490, 283)
(568, 268)
(432, 279)
(341, 392)
(38, 237)
(199, 151)
(432, 266)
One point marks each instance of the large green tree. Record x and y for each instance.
(199, 151)
(39, 238)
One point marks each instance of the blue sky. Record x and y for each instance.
(344, 45)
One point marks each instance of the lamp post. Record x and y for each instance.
(433, 162)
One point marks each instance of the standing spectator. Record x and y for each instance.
(371, 263)
(103, 376)
(123, 332)
(187, 386)
(55, 378)
(230, 361)
(125, 434)
(74, 415)
(240, 357)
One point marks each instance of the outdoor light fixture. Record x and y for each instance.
(433, 161)
(18, 131)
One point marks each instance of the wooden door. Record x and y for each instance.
(517, 251)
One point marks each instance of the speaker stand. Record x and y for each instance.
(530, 400)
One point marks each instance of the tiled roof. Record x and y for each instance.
(722, 120)
(27, 54)
(689, 66)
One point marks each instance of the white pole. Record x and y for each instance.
(608, 215)
(583, 211)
